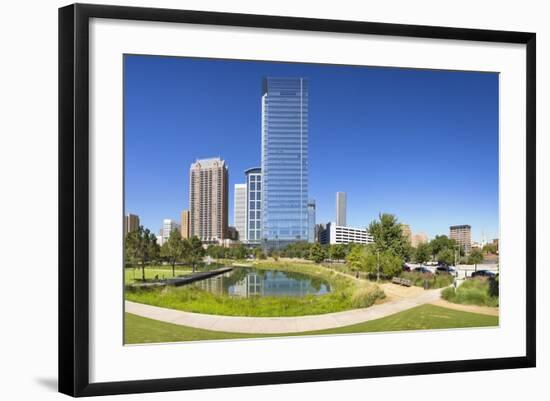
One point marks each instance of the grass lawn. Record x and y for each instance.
(346, 293)
(152, 271)
(139, 330)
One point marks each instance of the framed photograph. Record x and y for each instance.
(251, 199)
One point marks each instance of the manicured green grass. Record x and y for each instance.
(345, 294)
(139, 330)
(472, 292)
(152, 271)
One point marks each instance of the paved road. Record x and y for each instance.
(273, 325)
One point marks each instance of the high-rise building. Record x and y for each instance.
(284, 160)
(335, 234)
(131, 223)
(168, 225)
(463, 236)
(185, 224)
(341, 200)
(253, 205)
(208, 199)
(239, 211)
(311, 220)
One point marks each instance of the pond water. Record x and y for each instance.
(249, 282)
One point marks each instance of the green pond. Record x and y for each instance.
(250, 282)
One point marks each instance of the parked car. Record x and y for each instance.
(422, 270)
(483, 273)
(445, 270)
(406, 268)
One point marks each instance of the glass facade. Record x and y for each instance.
(253, 204)
(284, 160)
(311, 220)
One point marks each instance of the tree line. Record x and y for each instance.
(142, 249)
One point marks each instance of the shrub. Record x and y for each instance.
(434, 281)
(366, 296)
(472, 292)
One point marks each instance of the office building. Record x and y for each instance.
(463, 236)
(341, 208)
(131, 223)
(419, 238)
(168, 225)
(239, 211)
(407, 233)
(253, 204)
(185, 224)
(284, 161)
(311, 220)
(335, 234)
(208, 199)
(319, 228)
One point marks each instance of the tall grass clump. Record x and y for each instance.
(434, 280)
(474, 292)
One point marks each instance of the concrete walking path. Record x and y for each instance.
(277, 325)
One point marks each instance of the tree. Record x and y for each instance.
(141, 248)
(337, 252)
(388, 236)
(317, 253)
(193, 251)
(490, 248)
(423, 253)
(475, 257)
(258, 254)
(441, 243)
(370, 260)
(173, 250)
(239, 252)
(446, 256)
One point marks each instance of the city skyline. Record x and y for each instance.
(169, 185)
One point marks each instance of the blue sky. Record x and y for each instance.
(420, 144)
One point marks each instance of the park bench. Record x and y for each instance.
(402, 281)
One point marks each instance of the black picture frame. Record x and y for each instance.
(74, 198)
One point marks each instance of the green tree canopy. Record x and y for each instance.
(337, 251)
(441, 243)
(141, 248)
(173, 250)
(446, 256)
(368, 259)
(194, 252)
(388, 236)
(475, 257)
(423, 253)
(318, 253)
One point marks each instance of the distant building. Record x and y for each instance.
(208, 199)
(341, 208)
(168, 225)
(185, 224)
(284, 160)
(253, 205)
(419, 238)
(232, 233)
(335, 234)
(463, 236)
(239, 211)
(407, 233)
(311, 220)
(131, 223)
(319, 228)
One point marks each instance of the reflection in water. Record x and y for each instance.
(244, 282)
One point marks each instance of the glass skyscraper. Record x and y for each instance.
(284, 160)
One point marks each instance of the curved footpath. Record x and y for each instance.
(276, 325)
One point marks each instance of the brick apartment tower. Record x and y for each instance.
(185, 224)
(208, 200)
(462, 235)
